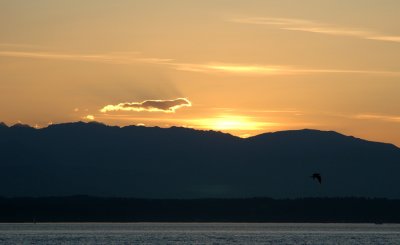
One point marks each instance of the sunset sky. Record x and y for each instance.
(240, 66)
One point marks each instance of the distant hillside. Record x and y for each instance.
(95, 159)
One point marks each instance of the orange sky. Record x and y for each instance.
(243, 67)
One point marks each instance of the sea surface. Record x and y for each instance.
(198, 233)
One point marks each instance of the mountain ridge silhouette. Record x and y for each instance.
(153, 162)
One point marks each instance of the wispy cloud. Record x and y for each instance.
(255, 69)
(130, 58)
(21, 45)
(386, 38)
(316, 27)
(232, 68)
(236, 110)
(168, 106)
(212, 68)
(115, 58)
(388, 118)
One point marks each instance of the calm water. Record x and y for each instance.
(198, 233)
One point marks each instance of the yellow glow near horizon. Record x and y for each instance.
(231, 122)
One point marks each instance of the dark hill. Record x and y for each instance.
(133, 161)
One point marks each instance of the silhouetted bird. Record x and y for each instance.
(317, 176)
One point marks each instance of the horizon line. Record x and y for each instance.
(22, 125)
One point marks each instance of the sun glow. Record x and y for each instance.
(231, 122)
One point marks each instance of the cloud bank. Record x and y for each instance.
(167, 106)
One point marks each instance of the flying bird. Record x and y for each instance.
(317, 176)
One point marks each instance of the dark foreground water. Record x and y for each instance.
(198, 233)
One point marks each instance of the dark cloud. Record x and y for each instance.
(149, 105)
